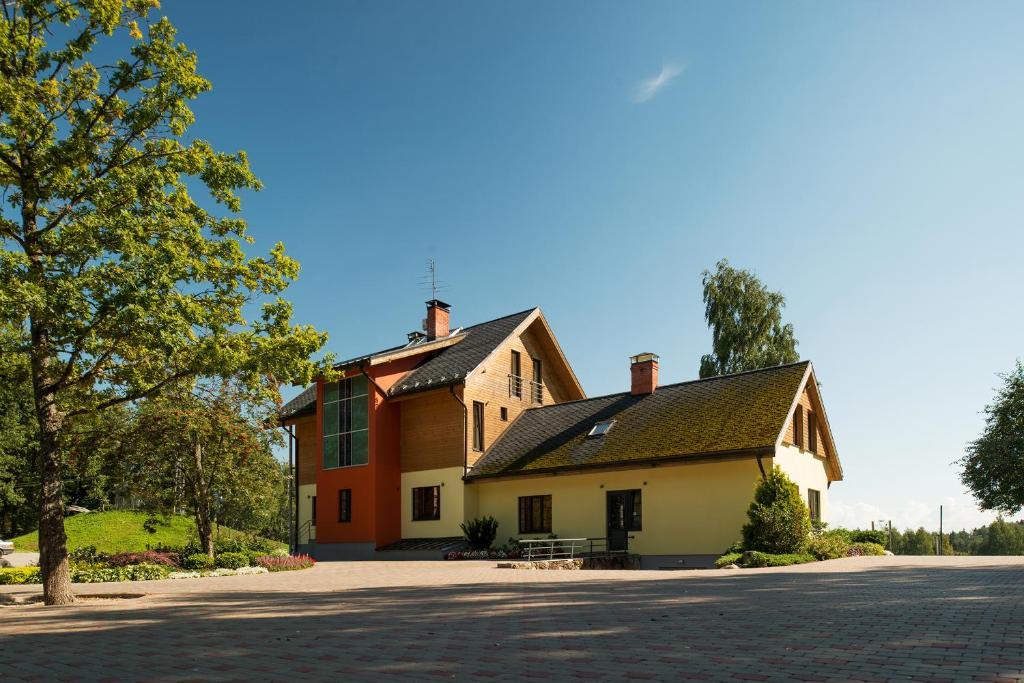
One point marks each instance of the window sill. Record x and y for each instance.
(343, 467)
(427, 519)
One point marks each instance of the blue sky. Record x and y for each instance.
(592, 158)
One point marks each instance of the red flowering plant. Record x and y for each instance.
(285, 563)
(147, 557)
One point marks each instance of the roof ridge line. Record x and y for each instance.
(674, 384)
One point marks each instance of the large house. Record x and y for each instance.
(491, 420)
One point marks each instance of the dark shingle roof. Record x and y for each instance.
(301, 404)
(740, 412)
(451, 364)
(454, 362)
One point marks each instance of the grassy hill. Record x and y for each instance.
(122, 531)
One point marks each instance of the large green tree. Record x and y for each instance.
(19, 452)
(745, 317)
(993, 466)
(206, 447)
(123, 282)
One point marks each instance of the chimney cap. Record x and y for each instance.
(643, 358)
(439, 304)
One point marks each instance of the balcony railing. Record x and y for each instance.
(520, 387)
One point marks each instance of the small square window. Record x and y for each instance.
(504, 414)
(601, 428)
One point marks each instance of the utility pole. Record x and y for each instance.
(940, 530)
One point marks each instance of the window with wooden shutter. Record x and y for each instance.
(812, 432)
(345, 505)
(478, 426)
(814, 504)
(426, 503)
(798, 427)
(516, 378)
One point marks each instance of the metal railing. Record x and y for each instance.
(307, 528)
(538, 549)
(517, 384)
(541, 549)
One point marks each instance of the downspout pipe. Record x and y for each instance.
(465, 429)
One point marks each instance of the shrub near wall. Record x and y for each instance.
(779, 522)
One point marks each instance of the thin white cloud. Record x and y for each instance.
(958, 513)
(646, 89)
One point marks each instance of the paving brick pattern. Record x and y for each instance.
(867, 619)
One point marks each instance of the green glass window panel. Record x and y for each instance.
(358, 385)
(330, 392)
(331, 419)
(330, 451)
(360, 454)
(359, 407)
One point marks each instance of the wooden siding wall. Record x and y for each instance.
(431, 431)
(490, 385)
(809, 405)
(305, 431)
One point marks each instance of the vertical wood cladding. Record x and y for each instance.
(815, 444)
(431, 431)
(305, 431)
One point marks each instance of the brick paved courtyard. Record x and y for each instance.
(899, 618)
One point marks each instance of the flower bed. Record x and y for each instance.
(492, 554)
(90, 566)
(284, 564)
(223, 571)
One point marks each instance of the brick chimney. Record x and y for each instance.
(436, 324)
(644, 370)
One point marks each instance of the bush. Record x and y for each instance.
(878, 536)
(147, 557)
(828, 545)
(132, 572)
(19, 575)
(197, 562)
(753, 558)
(275, 563)
(727, 559)
(480, 532)
(88, 555)
(779, 520)
(232, 560)
(858, 549)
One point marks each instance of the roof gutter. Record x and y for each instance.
(465, 420)
(743, 454)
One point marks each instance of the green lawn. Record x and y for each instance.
(115, 532)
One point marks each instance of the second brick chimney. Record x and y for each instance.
(437, 323)
(644, 370)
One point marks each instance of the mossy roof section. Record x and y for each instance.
(740, 412)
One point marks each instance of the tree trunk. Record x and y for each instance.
(204, 521)
(53, 552)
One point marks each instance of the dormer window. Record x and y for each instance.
(601, 428)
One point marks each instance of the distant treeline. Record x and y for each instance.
(998, 538)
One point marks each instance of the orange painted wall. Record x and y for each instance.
(376, 486)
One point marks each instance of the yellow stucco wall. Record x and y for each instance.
(453, 502)
(688, 509)
(806, 470)
(306, 493)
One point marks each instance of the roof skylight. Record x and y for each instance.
(601, 428)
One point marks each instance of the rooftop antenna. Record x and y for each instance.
(430, 281)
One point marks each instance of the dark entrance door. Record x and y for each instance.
(620, 512)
